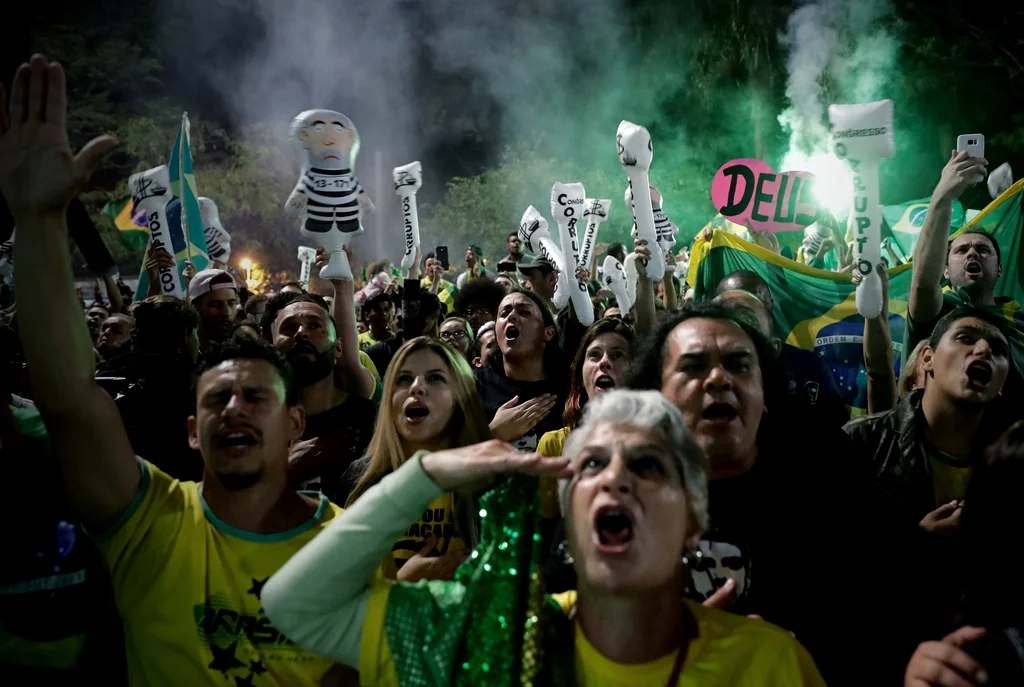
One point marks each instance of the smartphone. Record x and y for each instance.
(974, 144)
(506, 266)
(442, 256)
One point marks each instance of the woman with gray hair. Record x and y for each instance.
(634, 493)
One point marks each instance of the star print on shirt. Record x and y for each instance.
(257, 587)
(257, 667)
(224, 658)
(244, 681)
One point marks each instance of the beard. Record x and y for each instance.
(308, 371)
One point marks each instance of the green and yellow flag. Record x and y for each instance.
(815, 309)
(184, 218)
(131, 223)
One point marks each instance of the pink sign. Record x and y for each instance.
(748, 192)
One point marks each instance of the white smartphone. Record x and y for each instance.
(974, 144)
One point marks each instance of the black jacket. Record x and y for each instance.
(893, 441)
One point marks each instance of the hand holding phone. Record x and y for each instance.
(442, 256)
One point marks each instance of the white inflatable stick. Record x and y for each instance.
(663, 227)
(632, 276)
(307, 258)
(861, 136)
(151, 191)
(635, 149)
(218, 240)
(595, 212)
(328, 197)
(533, 231)
(614, 279)
(408, 180)
(567, 205)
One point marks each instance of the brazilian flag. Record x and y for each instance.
(130, 223)
(815, 310)
(902, 224)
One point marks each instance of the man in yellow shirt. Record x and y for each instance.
(188, 560)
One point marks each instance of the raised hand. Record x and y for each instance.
(472, 467)
(960, 173)
(39, 175)
(158, 259)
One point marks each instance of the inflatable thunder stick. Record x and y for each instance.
(663, 227)
(218, 240)
(635, 150)
(861, 136)
(595, 212)
(567, 205)
(614, 279)
(151, 191)
(328, 197)
(632, 276)
(307, 258)
(533, 232)
(408, 180)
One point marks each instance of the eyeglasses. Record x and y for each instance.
(456, 335)
(482, 312)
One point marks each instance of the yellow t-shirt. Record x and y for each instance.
(550, 446)
(949, 479)
(437, 520)
(729, 651)
(188, 589)
(365, 341)
(367, 363)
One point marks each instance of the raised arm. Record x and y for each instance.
(319, 598)
(878, 357)
(930, 250)
(345, 318)
(643, 308)
(113, 295)
(39, 176)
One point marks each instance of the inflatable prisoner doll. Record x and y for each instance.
(328, 196)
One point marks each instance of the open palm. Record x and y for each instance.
(38, 172)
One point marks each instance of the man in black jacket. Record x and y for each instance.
(923, 451)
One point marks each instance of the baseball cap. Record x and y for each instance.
(532, 262)
(209, 280)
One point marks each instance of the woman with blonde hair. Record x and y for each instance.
(429, 404)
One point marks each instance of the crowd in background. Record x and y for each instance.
(251, 489)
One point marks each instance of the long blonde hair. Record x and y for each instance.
(467, 426)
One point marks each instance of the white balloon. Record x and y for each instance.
(635, 150)
(861, 136)
(408, 180)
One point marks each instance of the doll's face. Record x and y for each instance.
(328, 141)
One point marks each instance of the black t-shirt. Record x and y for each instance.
(792, 533)
(346, 430)
(495, 389)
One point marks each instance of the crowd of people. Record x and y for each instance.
(303, 489)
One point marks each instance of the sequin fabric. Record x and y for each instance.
(492, 625)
